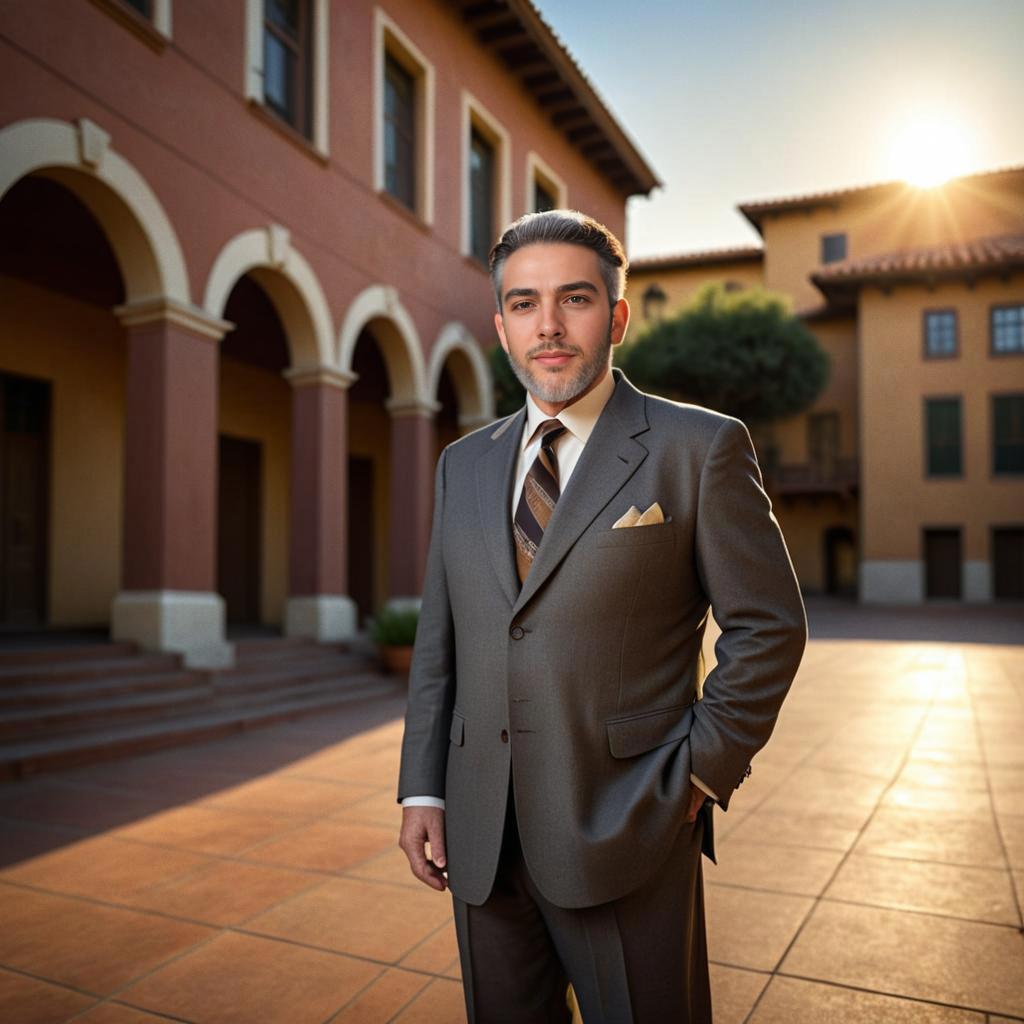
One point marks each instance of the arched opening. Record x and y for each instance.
(460, 382)
(448, 428)
(840, 561)
(369, 475)
(62, 410)
(254, 430)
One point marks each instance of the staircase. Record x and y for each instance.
(63, 706)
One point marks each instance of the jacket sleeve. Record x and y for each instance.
(748, 578)
(432, 675)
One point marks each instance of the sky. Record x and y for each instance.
(735, 100)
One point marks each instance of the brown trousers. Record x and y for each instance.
(640, 959)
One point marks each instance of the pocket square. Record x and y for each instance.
(634, 517)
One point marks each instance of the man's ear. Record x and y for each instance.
(499, 326)
(620, 321)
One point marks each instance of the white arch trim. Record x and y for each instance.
(399, 342)
(79, 156)
(475, 390)
(268, 256)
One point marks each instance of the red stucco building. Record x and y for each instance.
(242, 295)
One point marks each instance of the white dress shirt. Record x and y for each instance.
(579, 418)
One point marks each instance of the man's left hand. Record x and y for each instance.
(697, 798)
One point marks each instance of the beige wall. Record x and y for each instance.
(256, 405)
(839, 339)
(803, 525)
(681, 284)
(897, 498)
(80, 350)
(877, 224)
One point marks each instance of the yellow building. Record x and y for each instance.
(904, 480)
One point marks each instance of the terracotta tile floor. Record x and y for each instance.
(870, 870)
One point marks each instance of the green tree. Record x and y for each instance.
(742, 353)
(509, 394)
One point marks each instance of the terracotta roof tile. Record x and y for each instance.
(756, 209)
(960, 259)
(736, 254)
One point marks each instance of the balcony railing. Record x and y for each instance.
(837, 476)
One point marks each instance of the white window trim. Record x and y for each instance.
(474, 113)
(538, 170)
(159, 20)
(320, 49)
(388, 38)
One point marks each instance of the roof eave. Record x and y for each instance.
(513, 30)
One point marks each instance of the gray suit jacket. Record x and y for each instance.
(582, 683)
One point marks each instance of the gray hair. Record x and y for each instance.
(564, 226)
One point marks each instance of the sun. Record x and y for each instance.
(929, 149)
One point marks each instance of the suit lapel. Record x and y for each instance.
(495, 475)
(610, 457)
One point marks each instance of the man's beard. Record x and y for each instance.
(570, 382)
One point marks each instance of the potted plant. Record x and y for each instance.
(393, 633)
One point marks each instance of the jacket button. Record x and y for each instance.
(517, 632)
(504, 735)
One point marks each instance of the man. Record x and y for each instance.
(555, 757)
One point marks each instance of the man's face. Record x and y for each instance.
(555, 323)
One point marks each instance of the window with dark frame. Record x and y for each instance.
(287, 61)
(1007, 329)
(144, 7)
(543, 197)
(1008, 434)
(943, 434)
(399, 132)
(481, 195)
(833, 248)
(940, 334)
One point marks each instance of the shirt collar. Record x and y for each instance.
(579, 417)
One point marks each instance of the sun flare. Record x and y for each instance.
(930, 149)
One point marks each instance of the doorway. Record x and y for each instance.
(942, 561)
(239, 497)
(24, 492)
(1008, 563)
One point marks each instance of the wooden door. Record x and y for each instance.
(361, 535)
(239, 495)
(24, 491)
(1008, 563)
(823, 443)
(942, 563)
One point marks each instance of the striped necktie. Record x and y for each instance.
(537, 502)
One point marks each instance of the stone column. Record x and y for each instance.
(318, 604)
(168, 599)
(412, 496)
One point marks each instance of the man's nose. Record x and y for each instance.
(551, 322)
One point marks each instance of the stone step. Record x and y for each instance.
(85, 670)
(44, 694)
(29, 757)
(72, 652)
(81, 716)
(263, 676)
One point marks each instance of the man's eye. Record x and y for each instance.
(582, 299)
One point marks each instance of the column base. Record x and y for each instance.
(977, 582)
(891, 581)
(190, 623)
(323, 617)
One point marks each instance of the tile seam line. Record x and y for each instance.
(874, 906)
(993, 816)
(748, 1019)
(110, 1001)
(898, 995)
(369, 193)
